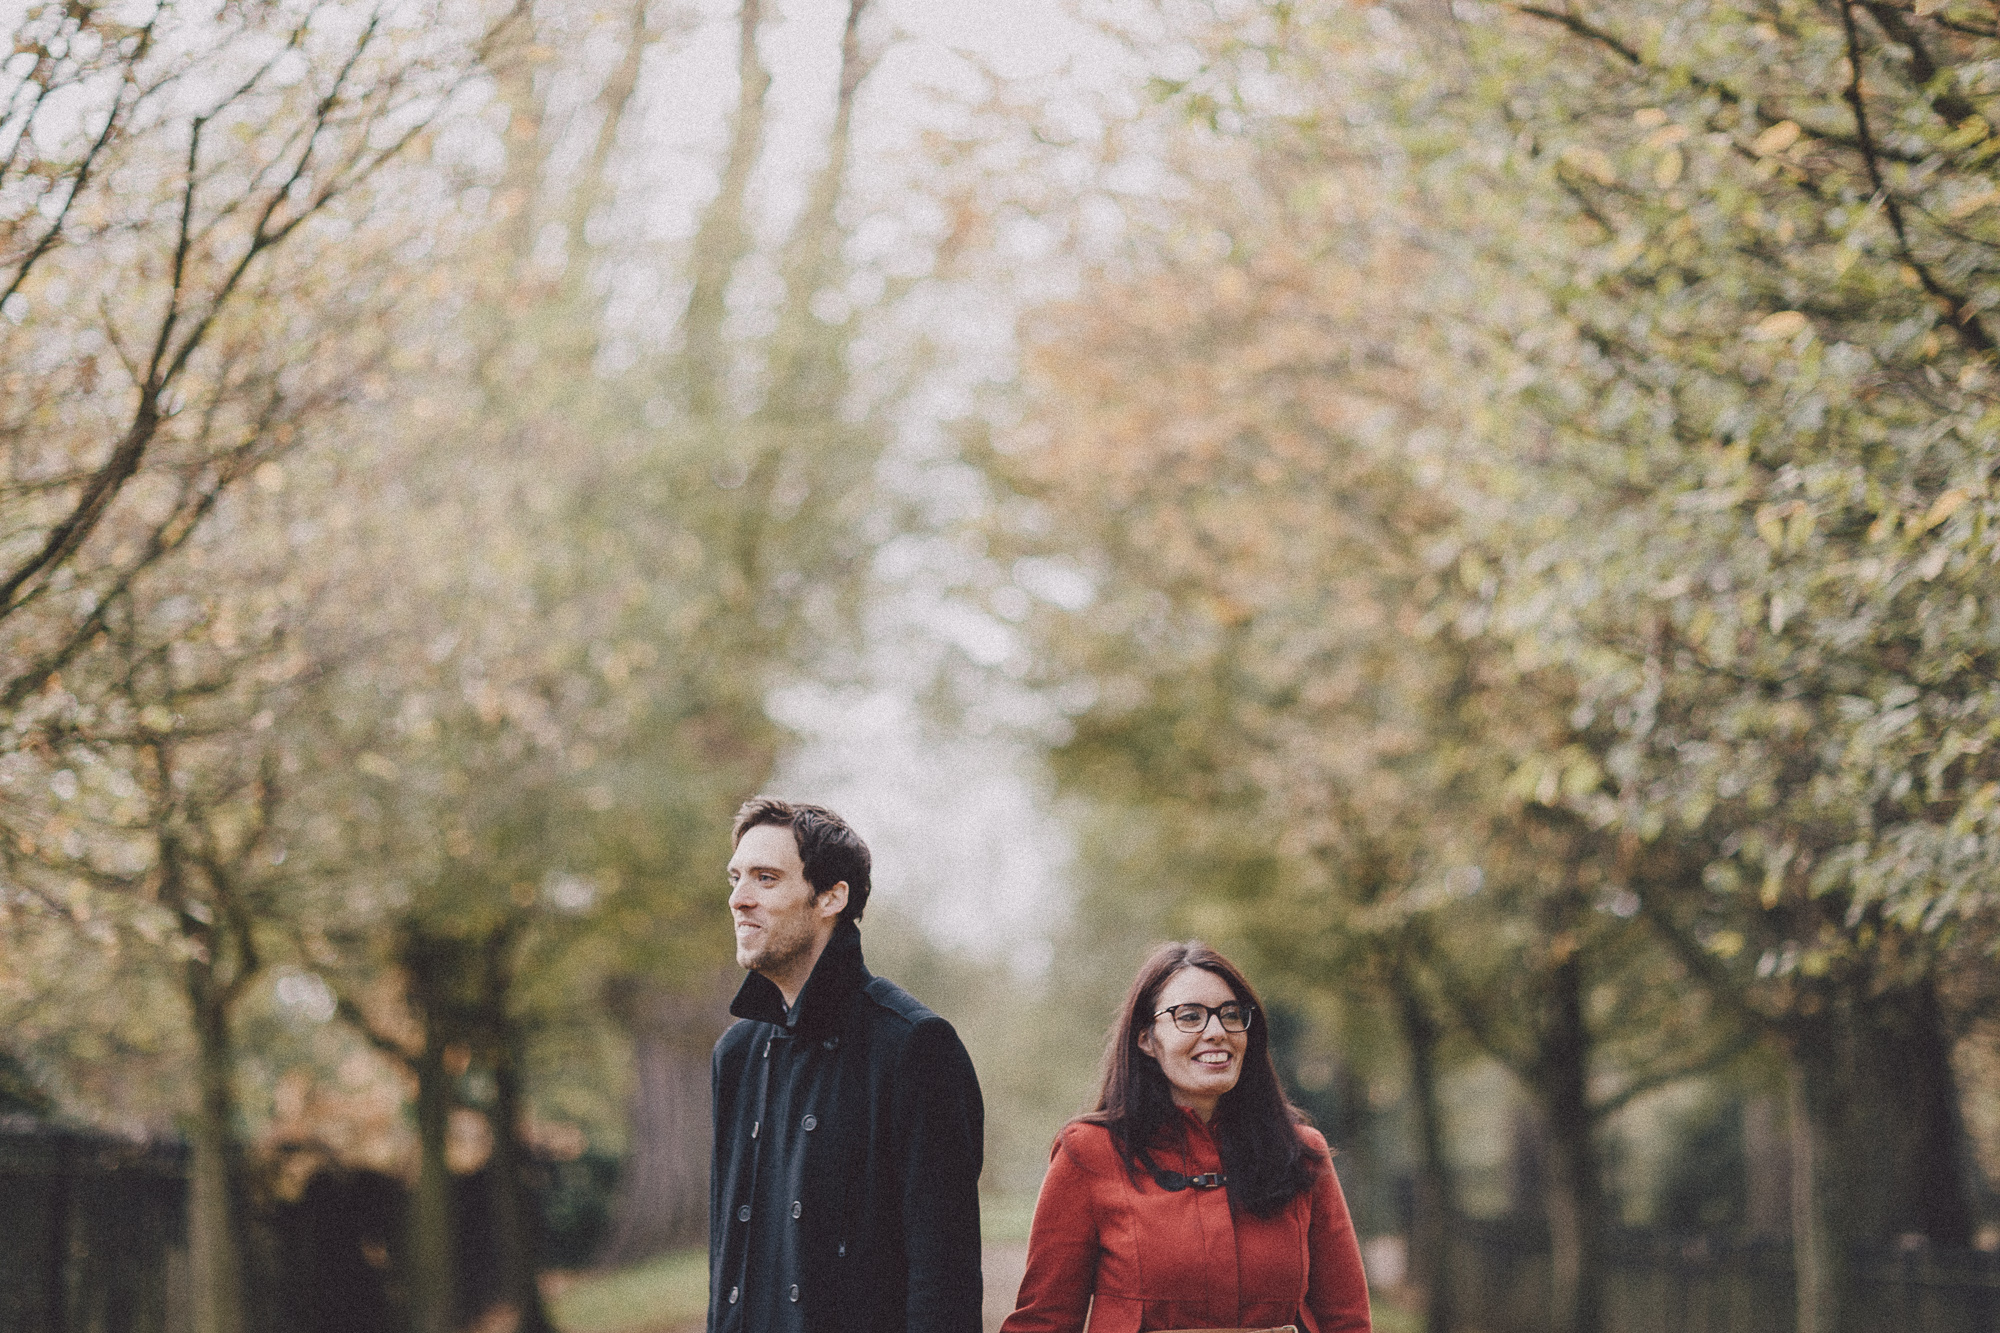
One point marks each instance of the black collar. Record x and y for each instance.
(837, 975)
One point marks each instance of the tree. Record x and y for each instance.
(197, 207)
(167, 170)
(1766, 381)
(573, 687)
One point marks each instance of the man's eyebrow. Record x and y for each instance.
(753, 869)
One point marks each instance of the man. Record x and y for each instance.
(848, 1124)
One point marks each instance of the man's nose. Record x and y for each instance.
(740, 895)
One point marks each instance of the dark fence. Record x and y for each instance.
(92, 1232)
(93, 1238)
(1676, 1284)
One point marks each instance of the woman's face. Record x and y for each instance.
(1200, 1066)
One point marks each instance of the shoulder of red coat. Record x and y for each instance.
(1089, 1145)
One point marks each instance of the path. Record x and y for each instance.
(1001, 1264)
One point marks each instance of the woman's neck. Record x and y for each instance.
(1203, 1111)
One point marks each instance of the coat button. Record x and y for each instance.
(797, 1208)
(812, 1123)
(794, 1293)
(743, 1213)
(755, 1125)
(732, 1295)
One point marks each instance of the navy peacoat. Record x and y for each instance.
(848, 1143)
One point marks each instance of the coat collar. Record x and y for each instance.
(837, 975)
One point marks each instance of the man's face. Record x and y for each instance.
(777, 922)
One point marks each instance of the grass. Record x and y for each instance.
(664, 1293)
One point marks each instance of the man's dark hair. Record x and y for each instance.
(831, 850)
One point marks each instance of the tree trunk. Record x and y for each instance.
(662, 1201)
(1815, 1255)
(432, 1271)
(1767, 1175)
(215, 1249)
(1576, 1204)
(1436, 1203)
(1877, 1145)
(514, 1222)
(723, 237)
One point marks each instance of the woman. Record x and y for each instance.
(1194, 1196)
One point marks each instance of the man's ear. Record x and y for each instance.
(831, 903)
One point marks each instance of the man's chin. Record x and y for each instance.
(765, 962)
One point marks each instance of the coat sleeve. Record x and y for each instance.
(942, 1150)
(1062, 1252)
(1336, 1288)
(715, 1228)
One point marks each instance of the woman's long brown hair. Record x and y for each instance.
(1255, 1124)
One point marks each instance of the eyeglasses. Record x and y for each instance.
(1192, 1017)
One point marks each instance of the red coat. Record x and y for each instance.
(1155, 1259)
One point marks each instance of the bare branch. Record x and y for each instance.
(1964, 317)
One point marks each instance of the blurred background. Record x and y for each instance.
(1485, 512)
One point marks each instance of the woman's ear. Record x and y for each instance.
(1147, 1044)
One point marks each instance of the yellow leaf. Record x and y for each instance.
(1669, 169)
(1944, 507)
(377, 766)
(1649, 117)
(1725, 943)
(1776, 139)
(1771, 527)
(1972, 203)
(1591, 162)
(1783, 324)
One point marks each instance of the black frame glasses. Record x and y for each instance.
(1185, 1014)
